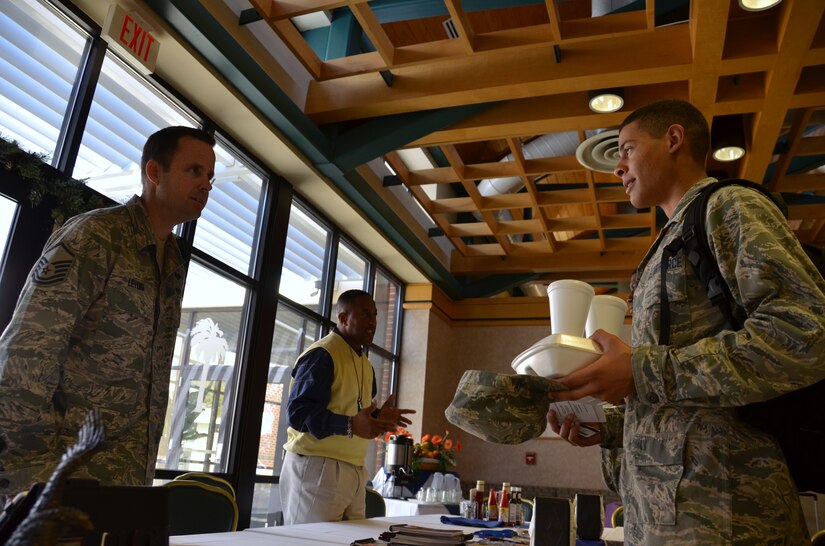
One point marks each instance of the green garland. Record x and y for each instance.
(66, 195)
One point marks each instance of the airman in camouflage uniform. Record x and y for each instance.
(688, 469)
(95, 327)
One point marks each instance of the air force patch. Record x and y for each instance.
(53, 266)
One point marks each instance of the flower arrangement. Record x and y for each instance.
(433, 452)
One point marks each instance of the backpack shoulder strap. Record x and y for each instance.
(694, 240)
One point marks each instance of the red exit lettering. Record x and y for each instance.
(134, 37)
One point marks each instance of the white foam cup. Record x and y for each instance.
(606, 313)
(569, 305)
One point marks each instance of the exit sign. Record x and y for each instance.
(128, 33)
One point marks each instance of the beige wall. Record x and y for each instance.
(434, 356)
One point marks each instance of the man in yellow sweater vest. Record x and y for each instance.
(332, 418)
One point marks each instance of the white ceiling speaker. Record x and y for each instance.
(600, 152)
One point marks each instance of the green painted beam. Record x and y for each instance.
(384, 134)
(344, 36)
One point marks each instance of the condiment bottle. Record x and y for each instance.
(492, 507)
(478, 499)
(516, 509)
(504, 504)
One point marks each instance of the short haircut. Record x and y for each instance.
(163, 144)
(346, 299)
(656, 117)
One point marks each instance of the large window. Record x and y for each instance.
(8, 208)
(228, 228)
(387, 301)
(126, 110)
(350, 272)
(306, 246)
(40, 53)
(294, 332)
(203, 384)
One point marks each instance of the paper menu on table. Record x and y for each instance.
(586, 410)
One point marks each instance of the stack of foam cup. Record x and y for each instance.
(575, 314)
(569, 306)
(606, 313)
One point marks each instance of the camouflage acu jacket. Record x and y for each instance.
(691, 471)
(94, 327)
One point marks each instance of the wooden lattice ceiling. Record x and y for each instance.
(535, 63)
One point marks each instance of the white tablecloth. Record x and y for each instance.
(324, 534)
(412, 507)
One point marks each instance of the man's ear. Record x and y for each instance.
(675, 137)
(153, 172)
(342, 318)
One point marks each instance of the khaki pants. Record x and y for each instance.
(321, 489)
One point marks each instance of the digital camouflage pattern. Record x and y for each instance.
(502, 408)
(691, 471)
(94, 328)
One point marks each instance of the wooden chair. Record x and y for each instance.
(196, 508)
(375, 504)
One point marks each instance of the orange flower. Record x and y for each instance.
(436, 439)
(458, 446)
(448, 444)
(425, 438)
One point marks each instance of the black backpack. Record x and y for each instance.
(796, 419)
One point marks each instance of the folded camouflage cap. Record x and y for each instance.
(502, 408)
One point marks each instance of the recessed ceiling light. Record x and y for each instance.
(605, 101)
(757, 5)
(728, 153)
(727, 138)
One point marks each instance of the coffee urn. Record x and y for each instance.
(398, 465)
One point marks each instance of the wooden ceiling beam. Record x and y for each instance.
(518, 159)
(477, 44)
(372, 28)
(438, 175)
(462, 24)
(441, 220)
(553, 17)
(593, 261)
(290, 36)
(796, 183)
(548, 114)
(799, 22)
(596, 213)
(606, 26)
(811, 146)
(798, 125)
(454, 158)
(282, 9)
(805, 212)
(522, 73)
(707, 32)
